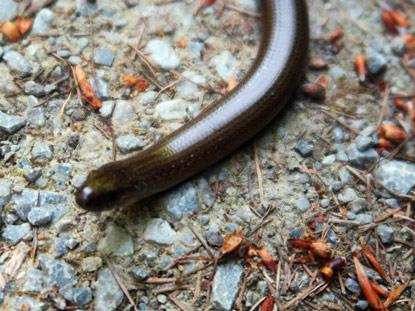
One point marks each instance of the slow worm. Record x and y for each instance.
(219, 129)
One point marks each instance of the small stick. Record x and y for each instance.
(259, 176)
(52, 97)
(384, 105)
(120, 283)
(177, 302)
(64, 105)
(201, 239)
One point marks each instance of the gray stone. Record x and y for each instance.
(75, 60)
(328, 160)
(161, 299)
(29, 303)
(325, 203)
(43, 21)
(56, 272)
(398, 176)
(376, 62)
(129, 143)
(188, 89)
(162, 54)
(33, 88)
(139, 273)
(123, 112)
(8, 10)
(338, 135)
(64, 53)
(296, 233)
(49, 88)
(22, 210)
(368, 131)
(159, 231)
(359, 205)
(39, 216)
(348, 194)
(15, 233)
(34, 281)
(176, 109)
(225, 65)
(249, 5)
(398, 46)
(5, 191)
(62, 176)
(352, 286)
(107, 108)
(338, 185)
(17, 63)
(361, 159)
(180, 201)
(225, 285)
(57, 203)
(363, 143)
(392, 203)
(304, 148)
(78, 180)
(42, 151)
(214, 239)
(89, 248)
(33, 174)
(363, 219)
(362, 305)
(116, 242)
(104, 57)
(91, 264)
(103, 92)
(108, 295)
(10, 123)
(35, 117)
(64, 244)
(303, 204)
(386, 233)
(82, 295)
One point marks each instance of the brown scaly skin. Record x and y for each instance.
(222, 127)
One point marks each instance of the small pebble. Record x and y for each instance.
(303, 204)
(363, 219)
(304, 148)
(386, 233)
(82, 295)
(39, 216)
(33, 88)
(10, 123)
(348, 194)
(42, 151)
(376, 62)
(107, 108)
(91, 264)
(162, 54)
(159, 231)
(8, 10)
(15, 233)
(43, 21)
(129, 143)
(363, 143)
(398, 46)
(352, 286)
(225, 65)
(139, 273)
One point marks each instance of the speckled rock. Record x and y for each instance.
(5, 191)
(107, 108)
(139, 273)
(91, 264)
(56, 272)
(8, 10)
(225, 65)
(352, 286)
(13, 234)
(348, 194)
(10, 123)
(376, 62)
(42, 151)
(64, 244)
(304, 148)
(399, 176)
(162, 54)
(361, 159)
(180, 201)
(123, 112)
(225, 285)
(29, 302)
(82, 295)
(39, 216)
(116, 242)
(176, 109)
(43, 21)
(108, 295)
(129, 143)
(17, 63)
(159, 231)
(386, 233)
(34, 281)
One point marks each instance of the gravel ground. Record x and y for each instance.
(311, 158)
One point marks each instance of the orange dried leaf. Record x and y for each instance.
(380, 290)
(86, 88)
(411, 112)
(251, 251)
(267, 259)
(232, 241)
(385, 144)
(400, 104)
(389, 22)
(336, 35)
(366, 287)
(11, 31)
(399, 19)
(318, 248)
(231, 84)
(393, 133)
(395, 293)
(360, 67)
(268, 304)
(370, 254)
(24, 24)
(181, 44)
(410, 43)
